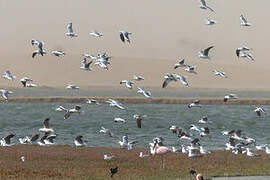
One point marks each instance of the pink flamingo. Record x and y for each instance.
(161, 150)
(199, 177)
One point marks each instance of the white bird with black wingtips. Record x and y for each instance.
(70, 31)
(204, 54)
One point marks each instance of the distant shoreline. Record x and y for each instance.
(141, 100)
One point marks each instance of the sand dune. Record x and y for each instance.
(162, 33)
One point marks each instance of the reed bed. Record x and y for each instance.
(142, 100)
(66, 162)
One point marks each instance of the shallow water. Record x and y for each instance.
(26, 118)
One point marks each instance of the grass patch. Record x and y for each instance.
(86, 163)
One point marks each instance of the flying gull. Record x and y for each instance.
(124, 36)
(70, 32)
(204, 54)
(244, 21)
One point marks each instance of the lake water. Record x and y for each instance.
(26, 118)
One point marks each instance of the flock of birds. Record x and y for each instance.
(237, 143)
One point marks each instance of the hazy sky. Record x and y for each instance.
(162, 32)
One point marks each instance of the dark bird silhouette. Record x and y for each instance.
(113, 171)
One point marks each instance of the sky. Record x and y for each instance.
(162, 33)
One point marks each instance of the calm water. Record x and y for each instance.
(26, 118)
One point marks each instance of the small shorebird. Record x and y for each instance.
(70, 32)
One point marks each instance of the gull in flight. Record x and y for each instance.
(190, 69)
(86, 65)
(76, 109)
(210, 22)
(40, 49)
(244, 21)
(174, 77)
(72, 86)
(92, 101)
(103, 61)
(25, 83)
(46, 126)
(28, 140)
(259, 111)
(195, 103)
(204, 6)
(58, 53)
(124, 36)
(6, 141)
(144, 92)
(138, 78)
(180, 64)
(115, 103)
(95, 34)
(106, 131)
(204, 54)
(79, 142)
(244, 54)
(8, 75)
(127, 83)
(229, 96)
(119, 120)
(70, 31)
(183, 79)
(220, 73)
(242, 49)
(168, 78)
(35, 42)
(91, 56)
(5, 93)
(127, 144)
(139, 119)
